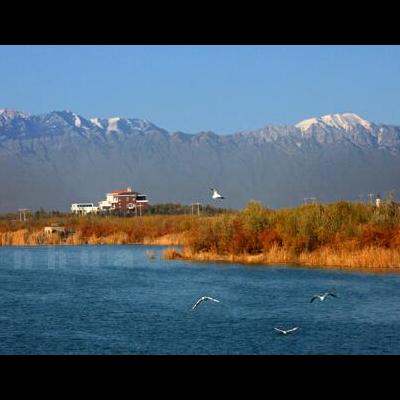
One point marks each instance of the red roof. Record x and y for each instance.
(119, 191)
(123, 191)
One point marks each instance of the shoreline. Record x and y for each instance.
(339, 235)
(259, 260)
(23, 237)
(345, 260)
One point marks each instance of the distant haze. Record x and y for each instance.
(55, 159)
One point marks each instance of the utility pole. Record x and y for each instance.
(198, 208)
(371, 196)
(22, 212)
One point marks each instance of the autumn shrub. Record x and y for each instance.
(395, 239)
(210, 235)
(270, 238)
(241, 241)
(375, 235)
(255, 217)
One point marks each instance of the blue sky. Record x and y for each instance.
(192, 88)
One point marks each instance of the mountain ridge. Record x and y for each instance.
(339, 120)
(62, 157)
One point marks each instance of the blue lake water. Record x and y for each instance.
(113, 300)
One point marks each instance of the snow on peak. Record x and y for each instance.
(113, 124)
(96, 121)
(305, 124)
(344, 121)
(77, 122)
(9, 113)
(140, 124)
(121, 125)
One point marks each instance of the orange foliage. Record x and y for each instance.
(270, 238)
(376, 236)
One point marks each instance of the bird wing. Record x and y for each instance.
(293, 329)
(331, 294)
(210, 298)
(313, 299)
(279, 330)
(197, 303)
(216, 195)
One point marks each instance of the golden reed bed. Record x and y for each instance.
(23, 237)
(369, 258)
(342, 234)
(374, 258)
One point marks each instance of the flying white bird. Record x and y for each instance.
(286, 332)
(322, 297)
(215, 194)
(204, 298)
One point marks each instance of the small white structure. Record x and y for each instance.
(49, 230)
(378, 201)
(84, 208)
(104, 205)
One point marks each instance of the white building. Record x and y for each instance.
(84, 208)
(105, 205)
(124, 200)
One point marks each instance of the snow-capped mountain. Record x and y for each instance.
(54, 159)
(346, 121)
(7, 114)
(353, 128)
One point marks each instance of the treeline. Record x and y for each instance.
(38, 214)
(155, 209)
(183, 209)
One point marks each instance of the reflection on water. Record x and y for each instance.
(119, 300)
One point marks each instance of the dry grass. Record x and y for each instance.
(368, 258)
(371, 257)
(172, 254)
(172, 239)
(151, 229)
(16, 238)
